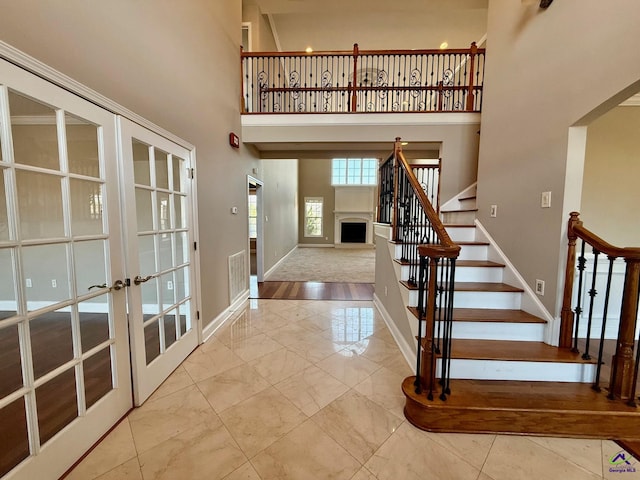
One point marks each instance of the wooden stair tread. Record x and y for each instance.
(460, 210)
(540, 408)
(513, 351)
(494, 315)
(522, 395)
(459, 263)
(472, 243)
(479, 263)
(485, 287)
(488, 315)
(408, 286)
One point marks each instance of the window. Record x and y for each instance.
(313, 217)
(354, 171)
(253, 215)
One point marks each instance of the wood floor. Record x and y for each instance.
(313, 291)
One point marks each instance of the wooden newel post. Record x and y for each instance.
(397, 148)
(566, 314)
(428, 373)
(623, 362)
(473, 51)
(354, 96)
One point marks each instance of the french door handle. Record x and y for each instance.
(117, 285)
(138, 280)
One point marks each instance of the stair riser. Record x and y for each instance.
(521, 370)
(474, 252)
(503, 300)
(467, 203)
(467, 274)
(462, 234)
(508, 300)
(458, 217)
(525, 332)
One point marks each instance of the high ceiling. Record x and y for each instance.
(375, 24)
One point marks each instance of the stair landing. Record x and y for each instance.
(532, 408)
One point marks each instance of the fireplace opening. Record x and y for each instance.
(353, 232)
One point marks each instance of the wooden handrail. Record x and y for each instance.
(628, 253)
(436, 224)
(348, 53)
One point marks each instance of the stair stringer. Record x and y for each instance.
(529, 302)
(389, 300)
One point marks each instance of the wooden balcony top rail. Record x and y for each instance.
(446, 244)
(373, 88)
(357, 52)
(577, 230)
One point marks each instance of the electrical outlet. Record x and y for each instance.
(494, 211)
(545, 200)
(54, 284)
(28, 283)
(540, 287)
(169, 285)
(385, 291)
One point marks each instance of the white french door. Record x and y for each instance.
(64, 350)
(159, 244)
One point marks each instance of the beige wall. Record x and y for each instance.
(546, 70)
(315, 181)
(610, 193)
(262, 37)
(280, 197)
(174, 63)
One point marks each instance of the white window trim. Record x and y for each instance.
(321, 201)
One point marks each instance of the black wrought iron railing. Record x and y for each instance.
(430, 254)
(363, 81)
(601, 317)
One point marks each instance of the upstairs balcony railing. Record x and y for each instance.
(363, 81)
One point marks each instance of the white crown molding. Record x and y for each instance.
(30, 64)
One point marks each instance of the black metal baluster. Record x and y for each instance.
(445, 337)
(441, 309)
(451, 289)
(596, 382)
(578, 310)
(634, 385)
(592, 294)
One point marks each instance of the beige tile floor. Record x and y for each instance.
(311, 390)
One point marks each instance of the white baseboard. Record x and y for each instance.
(216, 323)
(272, 269)
(408, 351)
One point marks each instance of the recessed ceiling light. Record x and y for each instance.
(309, 50)
(404, 143)
(443, 45)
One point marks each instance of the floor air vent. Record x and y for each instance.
(237, 275)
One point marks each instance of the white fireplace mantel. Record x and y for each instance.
(353, 216)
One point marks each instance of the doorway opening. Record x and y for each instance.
(256, 233)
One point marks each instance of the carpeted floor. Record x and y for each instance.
(354, 265)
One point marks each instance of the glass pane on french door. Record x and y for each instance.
(64, 361)
(159, 221)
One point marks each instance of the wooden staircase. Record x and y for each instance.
(504, 378)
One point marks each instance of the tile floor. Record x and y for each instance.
(311, 390)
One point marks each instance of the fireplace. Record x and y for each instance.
(353, 229)
(353, 232)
